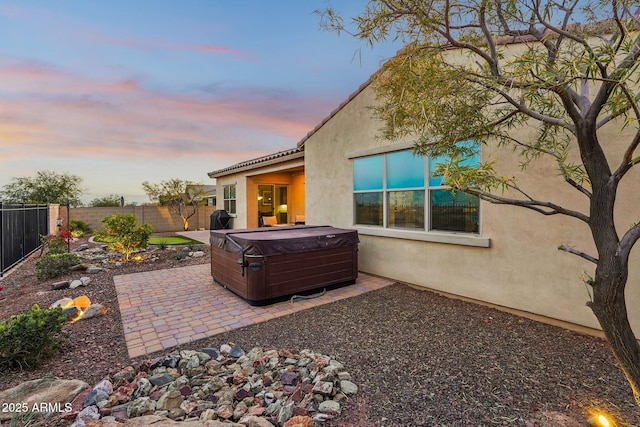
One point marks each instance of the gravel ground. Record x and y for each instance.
(420, 359)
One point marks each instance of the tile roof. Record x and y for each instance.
(259, 161)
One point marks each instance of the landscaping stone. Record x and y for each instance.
(236, 352)
(348, 387)
(75, 284)
(64, 284)
(323, 387)
(86, 416)
(161, 379)
(71, 312)
(329, 407)
(54, 391)
(61, 302)
(212, 387)
(141, 406)
(92, 311)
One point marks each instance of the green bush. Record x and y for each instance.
(124, 235)
(56, 243)
(28, 338)
(79, 228)
(55, 264)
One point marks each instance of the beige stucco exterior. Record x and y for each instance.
(287, 172)
(514, 261)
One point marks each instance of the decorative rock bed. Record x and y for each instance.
(260, 388)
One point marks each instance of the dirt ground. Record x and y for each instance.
(420, 359)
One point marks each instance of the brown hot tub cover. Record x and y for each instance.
(282, 240)
(263, 265)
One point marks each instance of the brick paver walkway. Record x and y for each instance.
(165, 308)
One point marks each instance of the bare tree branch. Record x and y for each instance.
(628, 241)
(509, 84)
(545, 208)
(581, 254)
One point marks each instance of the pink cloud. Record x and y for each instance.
(61, 114)
(157, 43)
(210, 49)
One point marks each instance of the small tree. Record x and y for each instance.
(124, 235)
(575, 72)
(45, 187)
(182, 197)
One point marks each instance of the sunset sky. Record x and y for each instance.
(119, 92)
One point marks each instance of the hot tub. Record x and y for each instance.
(265, 265)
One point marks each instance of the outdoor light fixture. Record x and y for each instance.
(59, 221)
(600, 420)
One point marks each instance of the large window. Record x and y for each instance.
(368, 187)
(401, 190)
(230, 198)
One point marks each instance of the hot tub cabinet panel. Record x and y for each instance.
(264, 266)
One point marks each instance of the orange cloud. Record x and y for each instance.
(61, 114)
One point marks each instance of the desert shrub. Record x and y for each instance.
(28, 338)
(79, 228)
(55, 264)
(124, 235)
(26, 419)
(163, 245)
(56, 243)
(194, 246)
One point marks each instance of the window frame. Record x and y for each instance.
(227, 201)
(471, 238)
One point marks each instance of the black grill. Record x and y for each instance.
(220, 220)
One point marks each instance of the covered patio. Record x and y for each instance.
(268, 186)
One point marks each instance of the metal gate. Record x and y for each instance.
(20, 229)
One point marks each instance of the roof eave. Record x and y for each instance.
(257, 163)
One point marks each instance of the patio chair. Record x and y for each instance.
(269, 221)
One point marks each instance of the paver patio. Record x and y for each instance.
(164, 308)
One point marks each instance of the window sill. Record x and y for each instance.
(427, 236)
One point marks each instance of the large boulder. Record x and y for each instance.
(55, 393)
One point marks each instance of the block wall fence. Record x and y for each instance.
(160, 218)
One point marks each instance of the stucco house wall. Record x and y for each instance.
(286, 172)
(513, 262)
(237, 179)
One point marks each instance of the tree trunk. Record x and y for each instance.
(610, 309)
(185, 223)
(612, 269)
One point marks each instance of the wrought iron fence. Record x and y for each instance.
(455, 217)
(20, 229)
